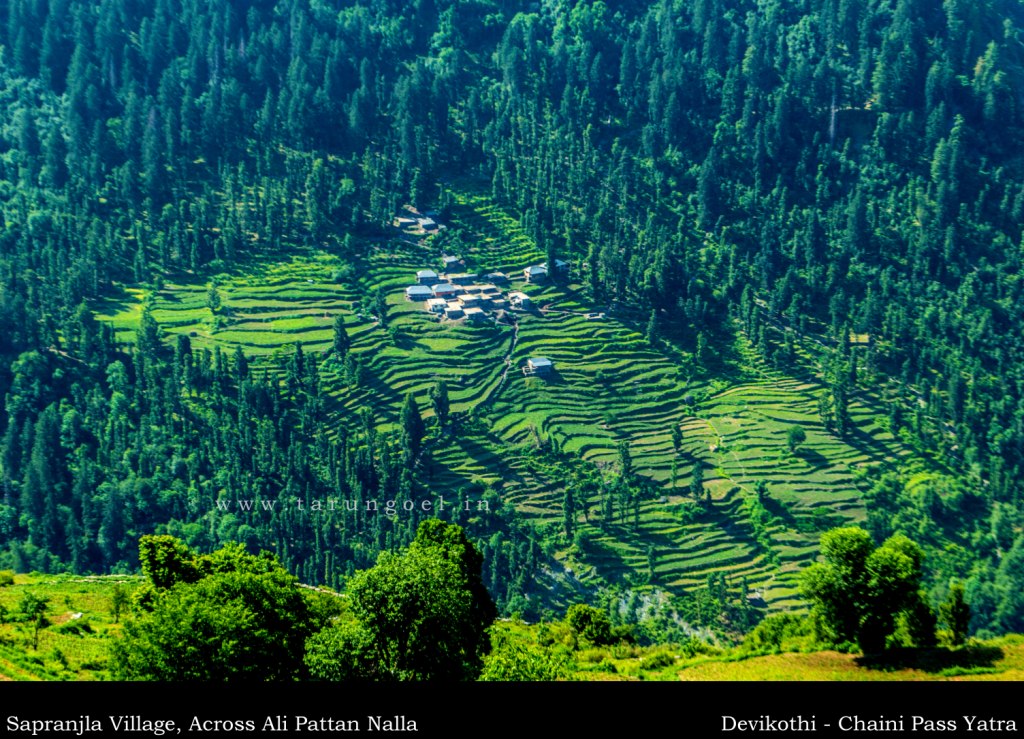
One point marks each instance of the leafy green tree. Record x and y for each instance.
(761, 490)
(342, 341)
(165, 561)
(625, 462)
(568, 513)
(426, 609)
(701, 351)
(119, 600)
(894, 576)
(33, 610)
(589, 624)
(379, 305)
(837, 588)
(859, 590)
(795, 437)
(412, 427)
(921, 621)
(1008, 579)
(697, 484)
(224, 616)
(317, 200)
(440, 403)
(343, 651)
(652, 333)
(213, 299)
(955, 614)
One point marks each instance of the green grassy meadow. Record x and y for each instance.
(75, 643)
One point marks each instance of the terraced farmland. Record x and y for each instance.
(497, 242)
(271, 306)
(738, 434)
(609, 386)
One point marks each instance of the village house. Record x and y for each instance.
(452, 264)
(463, 278)
(418, 292)
(446, 290)
(436, 305)
(428, 224)
(536, 273)
(500, 277)
(560, 265)
(427, 277)
(470, 301)
(539, 366)
(453, 311)
(488, 290)
(520, 300)
(475, 314)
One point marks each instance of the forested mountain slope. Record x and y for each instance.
(822, 198)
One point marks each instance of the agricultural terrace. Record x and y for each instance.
(608, 386)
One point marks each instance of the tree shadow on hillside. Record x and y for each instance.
(384, 396)
(442, 476)
(550, 377)
(606, 560)
(865, 441)
(814, 458)
(780, 511)
(936, 660)
(115, 299)
(185, 278)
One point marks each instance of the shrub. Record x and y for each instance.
(76, 627)
(775, 631)
(589, 624)
(344, 273)
(514, 661)
(657, 661)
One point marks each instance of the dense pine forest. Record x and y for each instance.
(826, 190)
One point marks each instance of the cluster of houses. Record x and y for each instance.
(455, 294)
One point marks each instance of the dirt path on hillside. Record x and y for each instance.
(504, 373)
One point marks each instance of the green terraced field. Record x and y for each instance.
(609, 386)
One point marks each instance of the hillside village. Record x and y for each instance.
(602, 384)
(452, 294)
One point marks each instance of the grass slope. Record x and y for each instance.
(1001, 658)
(75, 644)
